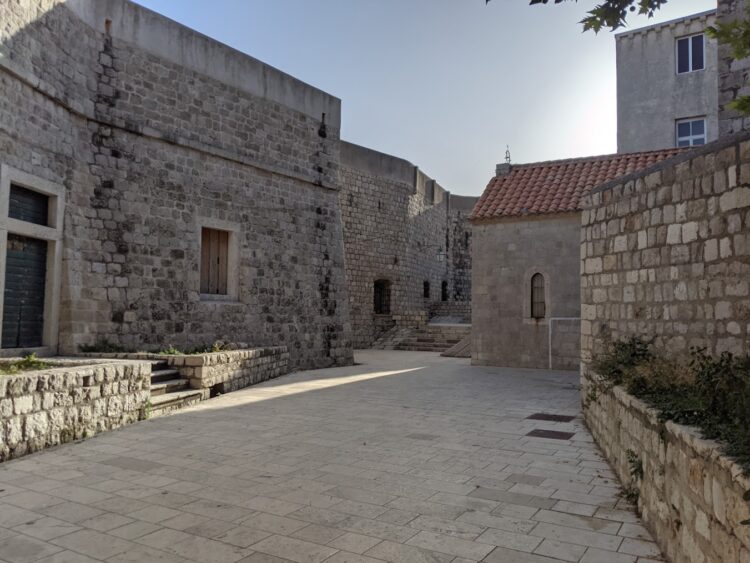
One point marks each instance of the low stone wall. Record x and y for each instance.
(228, 371)
(690, 496)
(70, 401)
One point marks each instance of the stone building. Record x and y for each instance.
(525, 259)
(667, 85)
(407, 244)
(158, 187)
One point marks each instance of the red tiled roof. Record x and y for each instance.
(556, 186)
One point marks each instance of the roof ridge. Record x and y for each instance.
(599, 157)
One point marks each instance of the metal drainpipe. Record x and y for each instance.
(549, 333)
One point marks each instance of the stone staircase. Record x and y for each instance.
(433, 337)
(169, 390)
(460, 350)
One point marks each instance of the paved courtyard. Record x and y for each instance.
(405, 457)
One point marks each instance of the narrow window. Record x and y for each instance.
(538, 306)
(426, 290)
(691, 132)
(214, 261)
(690, 54)
(382, 297)
(444, 291)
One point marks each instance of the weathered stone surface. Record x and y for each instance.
(690, 497)
(687, 284)
(686, 288)
(65, 403)
(397, 221)
(150, 149)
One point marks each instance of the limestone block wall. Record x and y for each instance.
(229, 371)
(690, 496)
(506, 254)
(156, 131)
(401, 226)
(72, 401)
(733, 73)
(666, 254)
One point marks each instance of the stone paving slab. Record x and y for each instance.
(406, 457)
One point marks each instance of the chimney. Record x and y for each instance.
(503, 169)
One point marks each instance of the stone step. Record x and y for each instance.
(162, 375)
(168, 386)
(163, 404)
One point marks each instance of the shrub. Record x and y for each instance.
(29, 363)
(708, 392)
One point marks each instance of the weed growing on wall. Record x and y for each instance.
(28, 363)
(712, 393)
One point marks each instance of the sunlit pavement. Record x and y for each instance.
(406, 457)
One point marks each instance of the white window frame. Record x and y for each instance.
(233, 260)
(690, 53)
(691, 137)
(52, 233)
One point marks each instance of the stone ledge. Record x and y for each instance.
(70, 401)
(691, 495)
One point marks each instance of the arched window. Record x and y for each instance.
(382, 298)
(444, 291)
(426, 290)
(538, 305)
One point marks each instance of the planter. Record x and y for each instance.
(690, 495)
(70, 401)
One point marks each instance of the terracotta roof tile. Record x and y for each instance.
(556, 186)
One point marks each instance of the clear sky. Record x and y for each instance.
(445, 84)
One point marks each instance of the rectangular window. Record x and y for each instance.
(690, 54)
(691, 132)
(214, 261)
(28, 205)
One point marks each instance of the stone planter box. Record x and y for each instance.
(690, 495)
(222, 372)
(72, 400)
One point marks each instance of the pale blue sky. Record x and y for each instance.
(445, 84)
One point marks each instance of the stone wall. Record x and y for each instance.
(507, 253)
(221, 372)
(155, 140)
(225, 372)
(690, 497)
(666, 254)
(45, 408)
(734, 75)
(400, 226)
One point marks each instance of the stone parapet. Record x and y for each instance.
(70, 401)
(690, 495)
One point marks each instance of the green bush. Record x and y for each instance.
(29, 363)
(708, 392)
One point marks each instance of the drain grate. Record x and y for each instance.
(551, 434)
(550, 417)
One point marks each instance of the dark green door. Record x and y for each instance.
(23, 302)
